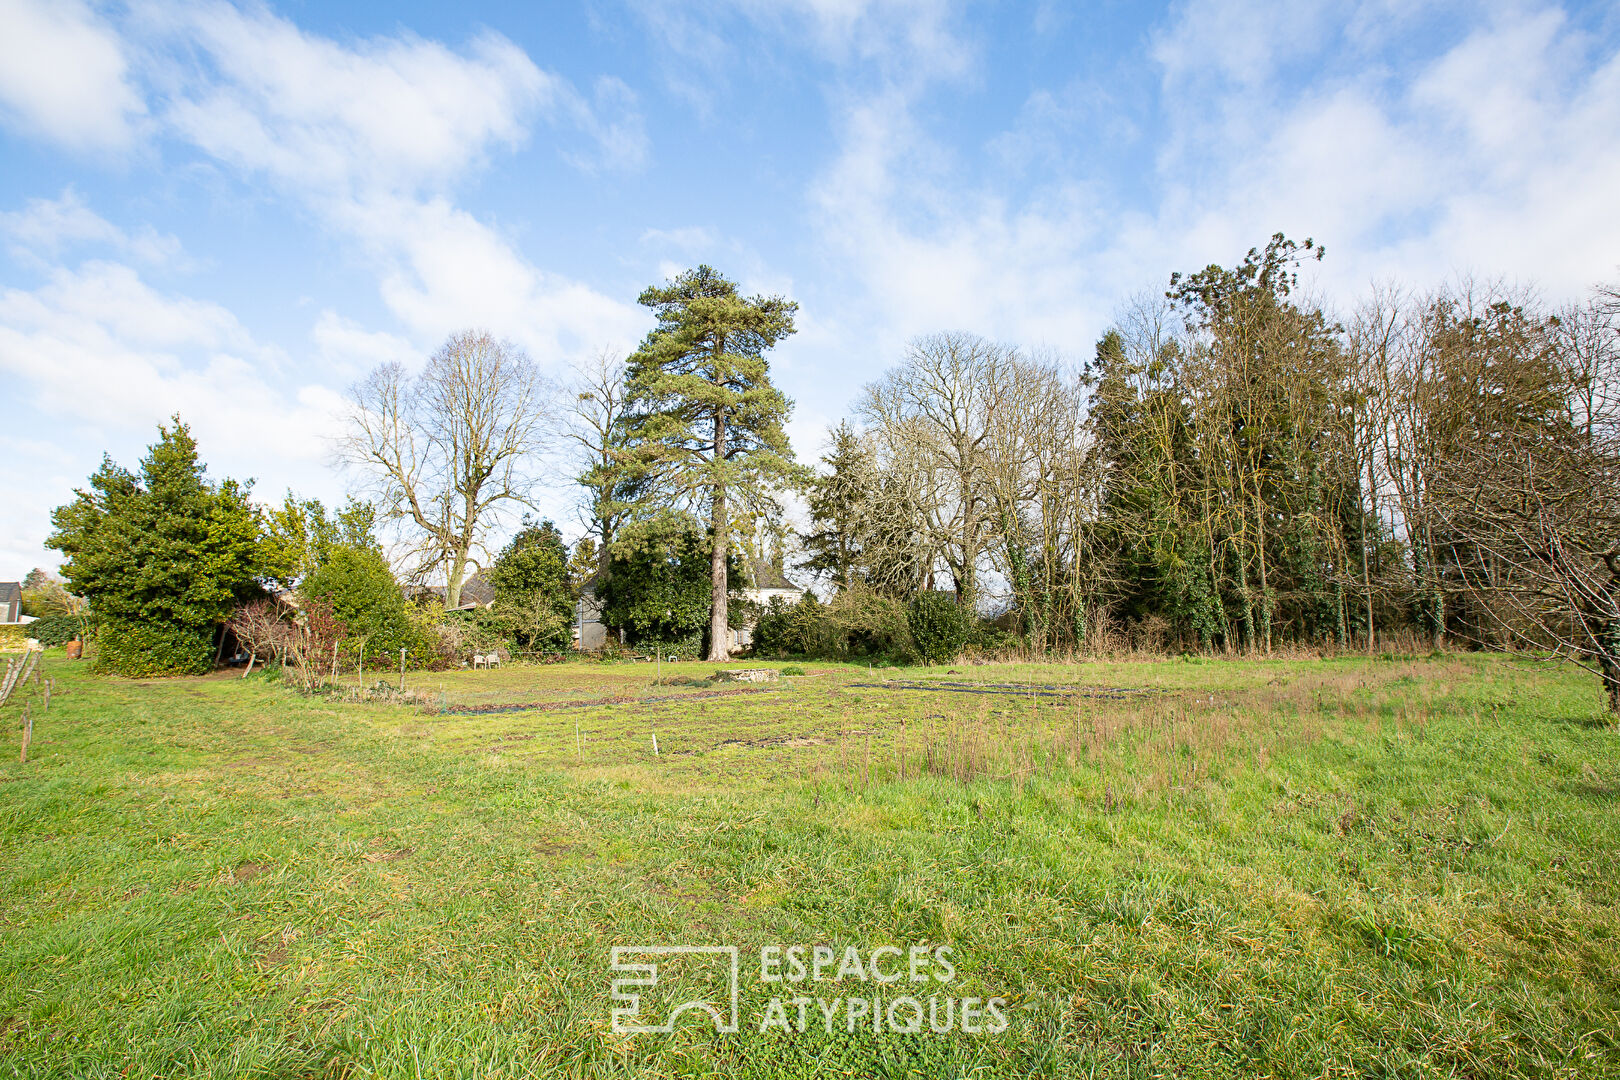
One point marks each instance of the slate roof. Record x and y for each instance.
(763, 575)
(476, 590)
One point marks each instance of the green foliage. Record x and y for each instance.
(534, 594)
(939, 626)
(53, 630)
(166, 549)
(141, 650)
(986, 637)
(476, 631)
(838, 503)
(793, 669)
(43, 595)
(359, 585)
(704, 422)
(857, 622)
(299, 533)
(658, 585)
(786, 629)
(869, 622)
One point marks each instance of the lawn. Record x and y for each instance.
(1350, 867)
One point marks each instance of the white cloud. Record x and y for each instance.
(99, 346)
(1237, 41)
(373, 137)
(444, 269)
(1487, 157)
(389, 114)
(98, 358)
(900, 42)
(348, 350)
(64, 77)
(1494, 155)
(46, 227)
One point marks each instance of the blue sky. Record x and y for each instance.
(234, 211)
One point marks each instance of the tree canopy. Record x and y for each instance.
(703, 417)
(162, 555)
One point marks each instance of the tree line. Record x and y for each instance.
(1233, 468)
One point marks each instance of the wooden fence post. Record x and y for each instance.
(28, 734)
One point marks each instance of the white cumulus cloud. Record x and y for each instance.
(64, 76)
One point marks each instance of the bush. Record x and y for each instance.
(792, 629)
(361, 588)
(464, 633)
(864, 622)
(792, 669)
(658, 586)
(533, 598)
(140, 650)
(939, 626)
(54, 629)
(992, 640)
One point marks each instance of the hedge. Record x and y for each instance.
(142, 650)
(54, 629)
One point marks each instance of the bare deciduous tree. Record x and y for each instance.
(1528, 490)
(596, 407)
(451, 447)
(929, 417)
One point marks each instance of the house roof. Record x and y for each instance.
(764, 575)
(475, 591)
(9, 591)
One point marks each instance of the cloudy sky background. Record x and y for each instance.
(231, 212)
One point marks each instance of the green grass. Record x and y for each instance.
(1403, 867)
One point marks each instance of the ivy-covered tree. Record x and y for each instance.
(703, 420)
(658, 584)
(534, 596)
(163, 556)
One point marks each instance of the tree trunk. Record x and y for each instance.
(1265, 582)
(452, 587)
(1366, 569)
(719, 632)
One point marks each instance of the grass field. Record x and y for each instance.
(1395, 867)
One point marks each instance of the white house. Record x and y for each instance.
(768, 583)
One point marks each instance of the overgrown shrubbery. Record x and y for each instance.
(534, 598)
(141, 650)
(55, 629)
(463, 633)
(939, 626)
(658, 586)
(870, 623)
(786, 629)
(857, 622)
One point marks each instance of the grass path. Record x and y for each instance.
(1288, 868)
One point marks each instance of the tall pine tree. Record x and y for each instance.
(703, 418)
